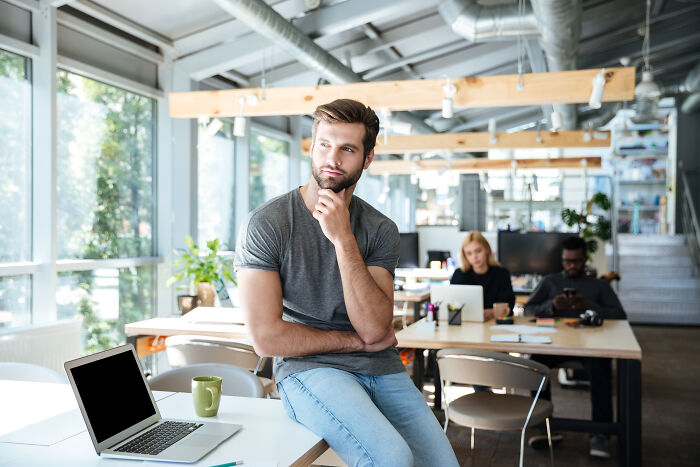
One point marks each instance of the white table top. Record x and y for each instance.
(268, 438)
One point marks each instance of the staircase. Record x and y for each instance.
(657, 285)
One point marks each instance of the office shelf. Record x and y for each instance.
(641, 208)
(660, 181)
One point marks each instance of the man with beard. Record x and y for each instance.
(570, 293)
(315, 275)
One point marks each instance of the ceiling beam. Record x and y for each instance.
(569, 87)
(120, 22)
(479, 142)
(480, 164)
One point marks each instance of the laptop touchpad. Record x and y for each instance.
(198, 440)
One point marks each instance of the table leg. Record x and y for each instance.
(416, 311)
(418, 368)
(629, 411)
(432, 361)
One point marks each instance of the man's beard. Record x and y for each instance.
(337, 184)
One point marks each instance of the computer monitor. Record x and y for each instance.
(408, 256)
(531, 252)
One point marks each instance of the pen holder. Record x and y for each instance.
(454, 314)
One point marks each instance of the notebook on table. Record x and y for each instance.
(122, 416)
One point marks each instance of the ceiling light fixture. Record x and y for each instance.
(555, 118)
(447, 103)
(647, 89)
(239, 122)
(214, 126)
(596, 98)
(493, 139)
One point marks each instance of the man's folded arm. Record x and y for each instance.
(260, 294)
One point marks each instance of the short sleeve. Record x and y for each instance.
(386, 247)
(259, 244)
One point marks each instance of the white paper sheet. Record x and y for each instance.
(522, 329)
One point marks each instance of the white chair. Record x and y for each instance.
(29, 372)
(186, 350)
(235, 381)
(488, 410)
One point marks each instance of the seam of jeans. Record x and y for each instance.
(333, 417)
(286, 402)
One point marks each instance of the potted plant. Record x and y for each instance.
(591, 225)
(200, 269)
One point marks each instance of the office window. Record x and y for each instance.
(305, 170)
(15, 158)
(15, 302)
(105, 205)
(107, 299)
(269, 166)
(105, 171)
(216, 203)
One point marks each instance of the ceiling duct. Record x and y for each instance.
(692, 85)
(559, 22)
(262, 19)
(479, 23)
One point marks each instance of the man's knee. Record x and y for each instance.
(398, 454)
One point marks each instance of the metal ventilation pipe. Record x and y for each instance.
(559, 22)
(268, 23)
(479, 23)
(692, 84)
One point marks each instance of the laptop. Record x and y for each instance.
(123, 419)
(470, 297)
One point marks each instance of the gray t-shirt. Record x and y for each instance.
(283, 236)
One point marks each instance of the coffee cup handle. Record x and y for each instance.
(214, 392)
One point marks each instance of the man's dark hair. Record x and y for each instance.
(349, 111)
(574, 243)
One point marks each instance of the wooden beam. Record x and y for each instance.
(475, 165)
(466, 142)
(564, 87)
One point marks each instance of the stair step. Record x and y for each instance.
(658, 283)
(662, 312)
(661, 272)
(653, 261)
(660, 294)
(650, 239)
(653, 250)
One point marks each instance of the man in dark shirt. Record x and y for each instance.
(582, 293)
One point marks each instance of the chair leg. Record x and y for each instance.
(472, 438)
(549, 438)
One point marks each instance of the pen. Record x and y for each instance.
(229, 464)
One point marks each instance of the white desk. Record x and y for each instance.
(269, 437)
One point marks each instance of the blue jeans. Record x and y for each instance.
(367, 420)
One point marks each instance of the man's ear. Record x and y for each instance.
(368, 159)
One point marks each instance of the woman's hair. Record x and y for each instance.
(475, 236)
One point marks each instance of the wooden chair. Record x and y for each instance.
(487, 410)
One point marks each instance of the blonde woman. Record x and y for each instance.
(479, 267)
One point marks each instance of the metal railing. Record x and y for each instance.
(691, 226)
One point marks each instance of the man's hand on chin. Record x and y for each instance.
(333, 215)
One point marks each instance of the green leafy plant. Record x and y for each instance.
(194, 265)
(591, 226)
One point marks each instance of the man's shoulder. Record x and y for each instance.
(371, 214)
(273, 209)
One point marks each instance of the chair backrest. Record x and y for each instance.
(235, 381)
(29, 372)
(490, 369)
(190, 349)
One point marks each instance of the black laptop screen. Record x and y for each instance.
(113, 394)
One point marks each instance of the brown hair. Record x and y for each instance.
(349, 111)
(475, 236)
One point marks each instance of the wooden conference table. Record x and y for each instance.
(41, 425)
(614, 339)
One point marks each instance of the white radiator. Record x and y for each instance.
(47, 344)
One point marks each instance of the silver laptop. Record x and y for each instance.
(470, 297)
(123, 419)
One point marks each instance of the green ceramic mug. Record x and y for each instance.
(206, 394)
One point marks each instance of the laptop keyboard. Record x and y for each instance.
(159, 438)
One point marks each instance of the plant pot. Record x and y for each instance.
(185, 303)
(206, 294)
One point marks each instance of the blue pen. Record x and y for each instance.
(229, 464)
